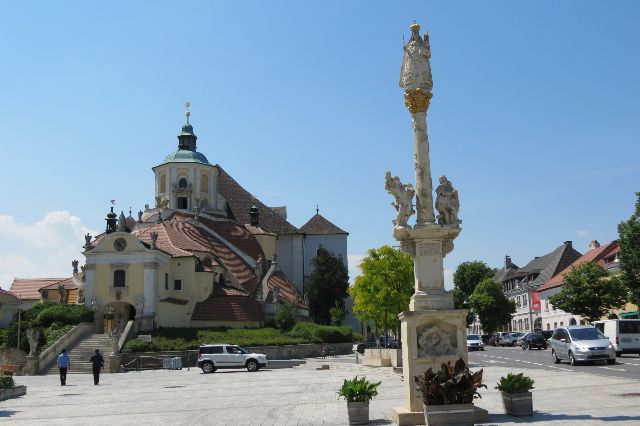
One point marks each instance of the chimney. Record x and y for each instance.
(594, 244)
(255, 215)
(568, 243)
(507, 262)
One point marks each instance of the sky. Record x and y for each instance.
(535, 116)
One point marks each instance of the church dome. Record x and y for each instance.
(186, 156)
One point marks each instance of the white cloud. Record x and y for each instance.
(41, 249)
(354, 263)
(583, 233)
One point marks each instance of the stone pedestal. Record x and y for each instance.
(32, 367)
(114, 363)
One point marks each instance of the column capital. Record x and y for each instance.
(151, 265)
(417, 100)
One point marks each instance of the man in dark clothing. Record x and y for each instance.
(97, 362)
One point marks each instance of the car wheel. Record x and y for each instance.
(524, 346)
(529, 347)
(572, 359)
(252, 365)
(619, 354)
(556, 360)
(208, 367)
(611, 361)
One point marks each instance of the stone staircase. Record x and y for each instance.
(81, 352)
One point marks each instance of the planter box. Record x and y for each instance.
(13, 392)
(453, 414)
(517, 404)
(358, 413)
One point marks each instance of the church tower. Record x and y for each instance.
(186, 180)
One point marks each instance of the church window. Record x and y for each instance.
(119, 277)
(163, 184)
(182, 183)
(204, 183)
(166, 281)
(182, 203)
(177, 284)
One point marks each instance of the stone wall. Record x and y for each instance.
(149, 360)
(12, 356)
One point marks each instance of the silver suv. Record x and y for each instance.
(581, 343)
(223, 355)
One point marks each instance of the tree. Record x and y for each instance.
(328, 284)
(491, 305)
(629, 234)
(285, 317)
(590, 291)
(337, 313)
(384, 288)
(467, 276)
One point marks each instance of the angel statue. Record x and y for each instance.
(404, 199)
(33, 335)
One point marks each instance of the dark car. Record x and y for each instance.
(547, 334)
(534, 340)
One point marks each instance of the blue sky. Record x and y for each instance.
(535, 115)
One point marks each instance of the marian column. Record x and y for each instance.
(433, 331)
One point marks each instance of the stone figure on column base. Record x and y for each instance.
(447, 203)
(404, 199)
(33, 335)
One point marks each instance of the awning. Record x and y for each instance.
(628, 314)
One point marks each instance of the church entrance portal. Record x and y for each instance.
(116, 316)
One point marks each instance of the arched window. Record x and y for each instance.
(182, 183)
(119, 278)
(163, 184)
(204, 183)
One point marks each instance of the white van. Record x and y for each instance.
(624, 334)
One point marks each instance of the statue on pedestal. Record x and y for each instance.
(447, 203)
(33, 335)
(404, 199)
(62, 294)
(415, 72)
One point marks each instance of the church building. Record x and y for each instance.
(208, 253)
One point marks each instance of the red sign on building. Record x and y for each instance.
(535, 301)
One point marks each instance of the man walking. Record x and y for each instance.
(63, 365)
(97, 362)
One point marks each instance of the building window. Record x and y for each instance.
(582, 322)
(518, 302)
(555, 325)
(561, 323)
(177, 284)
(163, 184)
(525, 299)
(548, 326)
(515, 325)
(166, 281)
(182, 183)
(119, 278)
(546, 304)
(204, 183)
(526, 324)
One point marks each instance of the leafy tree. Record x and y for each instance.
(384, 288)
(491, 305)
(467, 276)
(328, 284)
(590, 291)
(629, 234)
(337, 313)
(285, 317)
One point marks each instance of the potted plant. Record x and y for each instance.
(358, 393)
(516, 396)
(448, 394)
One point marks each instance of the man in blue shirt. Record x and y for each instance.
(63, 365)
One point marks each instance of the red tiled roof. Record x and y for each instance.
(593, 255)
(8, 293)
(228, 304)
(287, 290)
(67, 283)
(27, 288)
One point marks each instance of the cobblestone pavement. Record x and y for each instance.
(295, 396)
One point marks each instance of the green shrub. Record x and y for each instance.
(358, 390)
(32, 313)
(285, 317)
(323, 333)
(65, 314)
(515, 383)
(449, 385)
(53, 334)
(6, 381)
(11, 335)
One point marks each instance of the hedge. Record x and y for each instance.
(65, 315)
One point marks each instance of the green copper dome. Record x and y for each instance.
(186, 156)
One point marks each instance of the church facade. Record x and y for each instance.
(208, 253)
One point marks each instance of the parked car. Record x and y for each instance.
(533, 340)
(520, 339)
(581, 343)
(474, 342)
(510, 339)
(223, 355)
(500, 337)
(547, 335)
(624, 334)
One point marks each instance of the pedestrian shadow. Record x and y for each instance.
(7, 413)
(548, 417)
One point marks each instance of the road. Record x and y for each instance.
(627, 366)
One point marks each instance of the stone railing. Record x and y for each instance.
(51, 353)
(126, 333)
